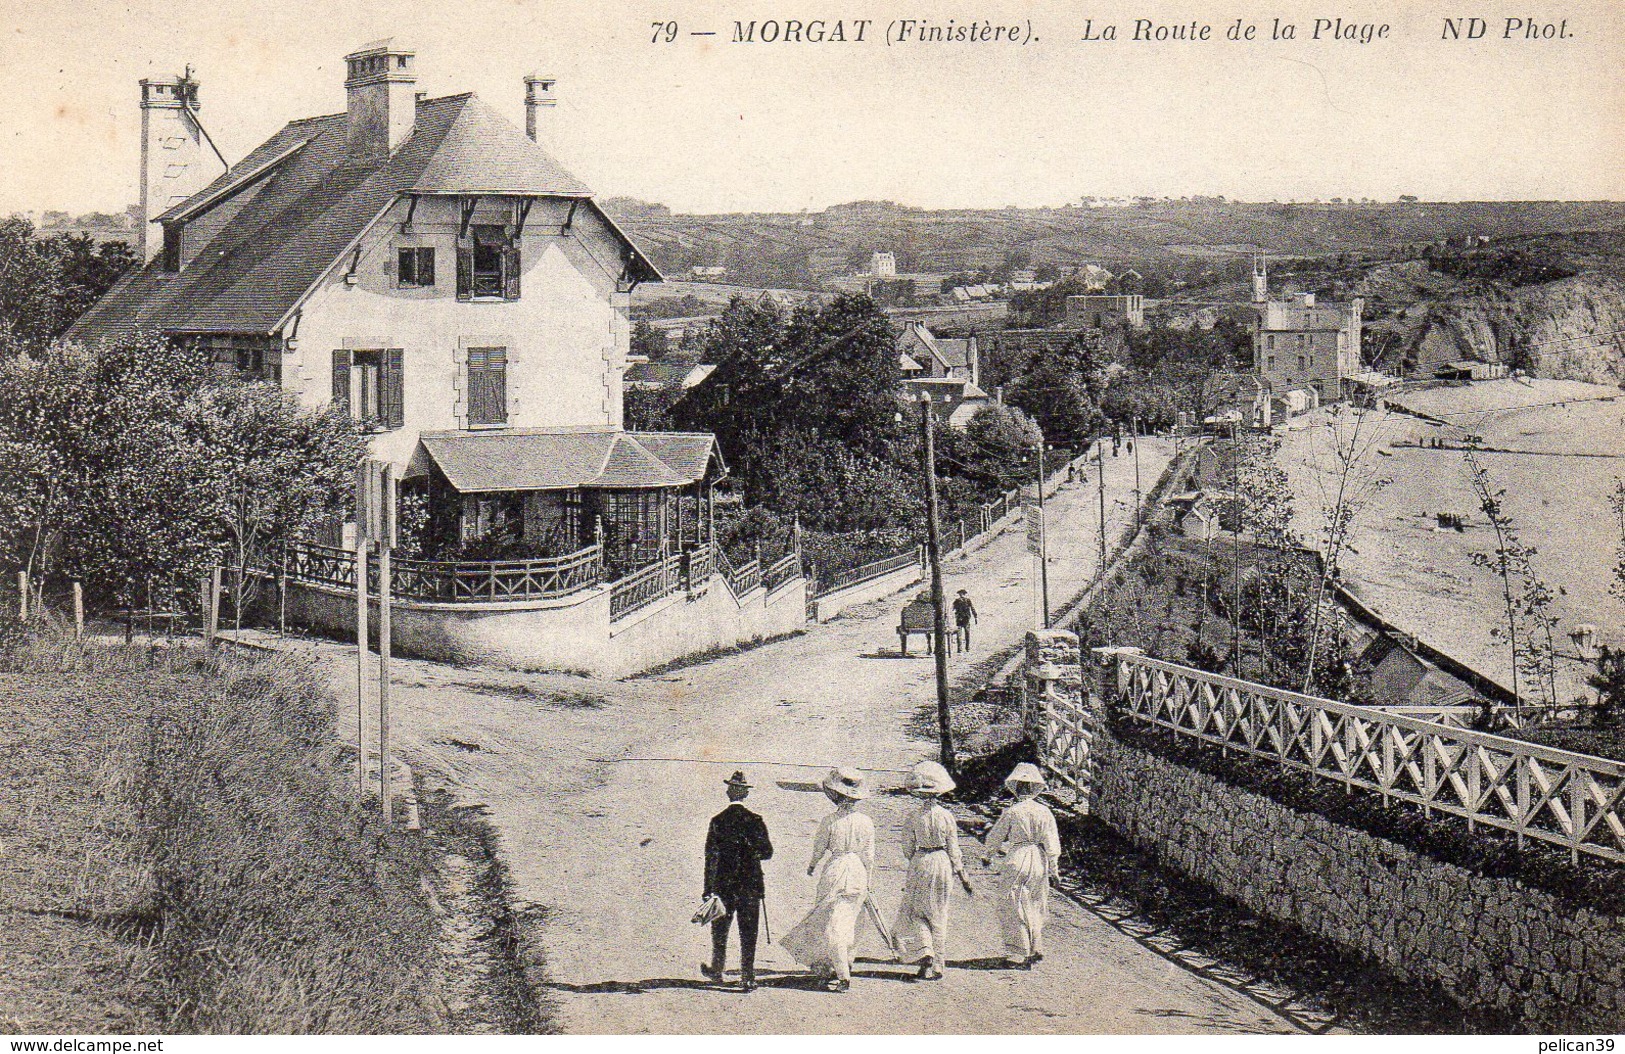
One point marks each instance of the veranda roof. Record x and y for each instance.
(513, 459)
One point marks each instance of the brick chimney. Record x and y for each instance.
(380, 88)
(540, 104)
(173, 166)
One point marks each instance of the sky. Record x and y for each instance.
(703, 124)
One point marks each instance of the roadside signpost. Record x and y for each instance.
(375, 494)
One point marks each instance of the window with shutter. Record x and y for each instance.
(341, 380)
(465, 272)
(369, 385)
(415, 268)
(510, 272)
(488, 264)
(487, 386)
(394, 406)
(490, 251)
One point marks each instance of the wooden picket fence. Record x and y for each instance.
(1566, 799)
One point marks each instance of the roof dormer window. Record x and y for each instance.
(488, 264)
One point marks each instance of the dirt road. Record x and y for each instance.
(601, 793)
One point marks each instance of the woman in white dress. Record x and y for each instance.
(1030, 844)
(845, 845)
(931, 846)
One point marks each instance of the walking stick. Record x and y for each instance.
(767, 927)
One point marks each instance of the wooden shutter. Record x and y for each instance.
(426, 267)
(394, 410)
(341, 380)
(465, 272)
(510, 272)
(487, 386)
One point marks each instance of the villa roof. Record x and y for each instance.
(517, 459)
(312, 199)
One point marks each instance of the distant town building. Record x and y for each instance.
(652, 376)
(1095, 278)
(947, 368)
(1236, 398)
(1300, 343)
(1101, 312)
(707, 274)
(883, 265)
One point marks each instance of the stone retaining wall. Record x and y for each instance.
(1491, 942)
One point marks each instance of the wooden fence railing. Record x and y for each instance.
(875, 569)
(1571, 800)
(741, 579)
(448, 582)
(957, 535)
(783, 570)
(640, 588)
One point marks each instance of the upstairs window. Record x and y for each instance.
(488, 266)
(487, 386)
(415, 268)
(243, 356)
(368, 385)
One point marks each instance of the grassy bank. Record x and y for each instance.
(182, 839)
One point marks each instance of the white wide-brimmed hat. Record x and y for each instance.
(928, 779)
(1026, 772)
(848, 783)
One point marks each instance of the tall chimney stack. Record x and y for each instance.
(173, 167)
(540, 103)
(380, 88)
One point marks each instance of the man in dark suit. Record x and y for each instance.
(735, 847)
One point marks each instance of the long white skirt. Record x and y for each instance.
(825, 939)
(1024, 901)
(922, 918)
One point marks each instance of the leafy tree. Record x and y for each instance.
(1133, 396)
(135, 460)
(1000, 442)
(649, 342)
(650, 409)
(1609, 681)
(270, 469)
(1062, 390)
(46, 283)
(786, 384)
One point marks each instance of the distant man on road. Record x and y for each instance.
(735, 847)
(964, 615)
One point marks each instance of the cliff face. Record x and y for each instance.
(1573, 329)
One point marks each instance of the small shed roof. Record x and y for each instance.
(516, 459)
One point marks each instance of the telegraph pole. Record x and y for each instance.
(385, 494)
(939, 611)
(1100, 462)
(1137, 500)
(361, 516)
(1043, 534)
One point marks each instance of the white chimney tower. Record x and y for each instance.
(541, 102)
(173, 166)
